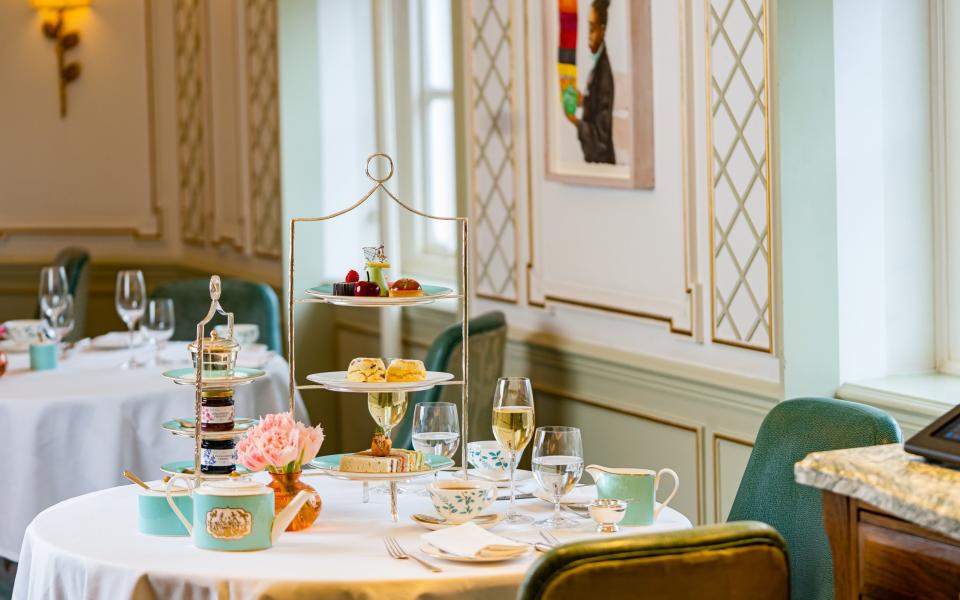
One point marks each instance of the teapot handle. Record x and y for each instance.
(173, 505)
(656, 486)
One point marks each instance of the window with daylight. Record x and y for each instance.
(427, 134)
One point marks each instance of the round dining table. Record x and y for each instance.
(90, 547)
(74, 429)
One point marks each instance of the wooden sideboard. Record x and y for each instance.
(879, 556)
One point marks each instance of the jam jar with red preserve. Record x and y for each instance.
(216, 410)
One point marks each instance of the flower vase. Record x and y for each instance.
(285, 486)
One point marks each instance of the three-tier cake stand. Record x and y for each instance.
(382, 302)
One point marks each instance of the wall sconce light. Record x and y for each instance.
(67, 72)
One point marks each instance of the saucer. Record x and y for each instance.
(431, 550)
(486, 521)
(580, 495)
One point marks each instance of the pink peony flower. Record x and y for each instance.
(279, 443)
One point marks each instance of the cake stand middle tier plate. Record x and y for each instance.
(336, 381)
(185, 427)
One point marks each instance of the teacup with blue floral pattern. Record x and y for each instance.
(488, 458)
(459, 501)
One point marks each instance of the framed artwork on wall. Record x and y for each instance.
(598, 92)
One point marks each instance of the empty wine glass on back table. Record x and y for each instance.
(436, 430)
(158, 324)
(53, 291)
(131, 300)
(558, 465)
(513, 421)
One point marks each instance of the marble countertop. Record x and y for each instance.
(902, 484)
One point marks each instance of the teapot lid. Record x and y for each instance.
(233, 486)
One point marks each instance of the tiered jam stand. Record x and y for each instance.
(194, 377)
(335, 381)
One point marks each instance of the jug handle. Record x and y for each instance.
(173, 505)
(673, 492)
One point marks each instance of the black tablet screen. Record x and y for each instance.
(950, 431)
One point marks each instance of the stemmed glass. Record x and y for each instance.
(558, 465)
(158, 324)
(513, 421)
(436, 430)
(53, 291)
(62, 323)
(131, 301)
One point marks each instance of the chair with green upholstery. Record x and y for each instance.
(250, 302)
(75, 261)
(734, 561)
(768, 492)
(488, 341)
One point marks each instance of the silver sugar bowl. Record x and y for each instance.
(607, 512)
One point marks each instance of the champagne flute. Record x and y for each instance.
(387, 409)
(558, 465)
(53, 291)
(513, 420)
(158, 325)
(131, 299)
(436, 430)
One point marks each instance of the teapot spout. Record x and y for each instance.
(596, 471)
(285, 516)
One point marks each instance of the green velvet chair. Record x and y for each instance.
(488, 341)
(744, 560)
(75, 261)
(768, 492)
(250, 303)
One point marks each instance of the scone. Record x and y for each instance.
(402, 370)
(366, 370)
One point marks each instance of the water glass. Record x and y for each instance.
(61, 323)
(131, 299)
(53, 291)
(557, 465)
(513, 422)
(436, 430)
(158, 325)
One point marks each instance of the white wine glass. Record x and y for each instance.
(53, 291)
(158, 324)
(436, 430)
(557, 465)
(513, 422)
(131, 300)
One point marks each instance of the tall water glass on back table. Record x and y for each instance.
(513, 422)
(158, 325)
(131, 301)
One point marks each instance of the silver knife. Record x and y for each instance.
(524, 496)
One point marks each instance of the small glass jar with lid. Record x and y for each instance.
(219, 355)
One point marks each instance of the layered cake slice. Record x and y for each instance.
(398, 461)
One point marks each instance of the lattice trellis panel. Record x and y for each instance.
(263, 123)
(191, 126)
(739, 174)
(493, 196)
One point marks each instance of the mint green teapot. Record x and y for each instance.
(235, 514)
(637, 487)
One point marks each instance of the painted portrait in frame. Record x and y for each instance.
(598, 92)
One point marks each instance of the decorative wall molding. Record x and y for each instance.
(492, 163)
(193, 151)
(135, 231)
(263, 125)
(717, 466)
(741, 296)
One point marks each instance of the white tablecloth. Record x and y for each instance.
(89, 547)
(75, 429)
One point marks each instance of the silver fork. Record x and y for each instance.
(549, 537)
(396, 551)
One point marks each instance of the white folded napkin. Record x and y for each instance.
(470, 539)
(117, 339)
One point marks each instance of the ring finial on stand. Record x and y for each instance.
(214, 287)
(370, 160)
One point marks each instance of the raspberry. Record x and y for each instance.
(353, 276)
